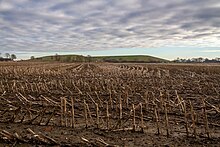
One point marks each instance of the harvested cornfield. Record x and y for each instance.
(103, 104)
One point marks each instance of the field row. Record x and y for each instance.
(149, 98)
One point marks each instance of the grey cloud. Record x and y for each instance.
(72, 25)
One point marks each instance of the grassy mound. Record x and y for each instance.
(114, 59)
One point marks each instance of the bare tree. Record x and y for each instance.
(7, 55)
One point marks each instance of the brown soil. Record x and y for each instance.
(31, 93)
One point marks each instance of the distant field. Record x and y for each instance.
(115, 59)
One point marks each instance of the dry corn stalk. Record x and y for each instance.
(142, 118)
(120, 110)
(85, 114)
(97, 115)
(50, 117)
(110, 99)
(72, 113)
(193, 118)
(89, 113)
(61, 106)
(161, 100)
(126, 96)
(185, 119)
(205, 119)
(157, 118)
(166, 119)
(134, 123)
(180, 102)
(107, 115)
(64, 108)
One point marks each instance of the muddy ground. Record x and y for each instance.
(31, 94)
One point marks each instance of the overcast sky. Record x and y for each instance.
(166, 28)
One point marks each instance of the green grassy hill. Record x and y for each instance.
(115, 59)
(136, 59)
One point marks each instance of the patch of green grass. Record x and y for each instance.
(134, 58)
(116, 59)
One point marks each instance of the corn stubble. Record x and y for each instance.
(112, 97)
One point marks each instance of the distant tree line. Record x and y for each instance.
(7, 57)
(63, 58)
(197, 60)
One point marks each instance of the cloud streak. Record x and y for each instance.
(211, 51)
(77, 25)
